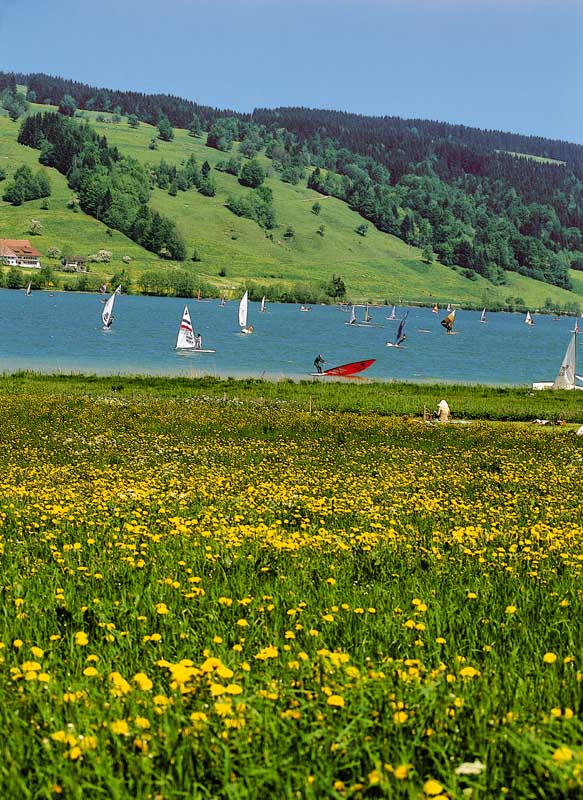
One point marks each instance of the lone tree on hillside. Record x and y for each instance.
(252, 174)
(165, 131)
(133, 121)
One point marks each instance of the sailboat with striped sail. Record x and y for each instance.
(186, 339)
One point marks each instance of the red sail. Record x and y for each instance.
(350, 369)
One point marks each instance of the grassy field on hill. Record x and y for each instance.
(376, 267)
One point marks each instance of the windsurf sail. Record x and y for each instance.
(448, 321)
(528, 319)
(367, 316)
(107, 312)
(263, 303)
(243, 309)
(435, 309)
(393, 313)
(345, 370)
(483, 317)
(400, 335)
(185, 340)
(568, 370)
(29, 289)
(352, 320)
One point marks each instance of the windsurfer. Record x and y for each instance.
(318, 361)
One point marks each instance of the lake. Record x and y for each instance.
(63, 333)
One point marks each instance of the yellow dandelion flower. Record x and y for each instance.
(120, 727)
(143, 682)
(335, 700)
(161, 608)
(549, 658)
(563, 754)
(81, 639)
(90, 672)
(432, 788)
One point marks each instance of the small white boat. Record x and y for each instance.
(366, 322)
(567, 376)
(483, 317)
(243, 311)
(528, 320)
(107, 312)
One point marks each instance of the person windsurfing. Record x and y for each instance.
(318, 361)
(448, 321)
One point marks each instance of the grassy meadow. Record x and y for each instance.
(219, 591)
(375, 267)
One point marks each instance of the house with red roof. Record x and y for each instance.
(19, 253)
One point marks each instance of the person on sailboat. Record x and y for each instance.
(198, 342)
(318, 361)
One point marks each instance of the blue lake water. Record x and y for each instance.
(63, 333)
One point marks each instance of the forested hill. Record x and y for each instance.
(378, 134)
(487, 202)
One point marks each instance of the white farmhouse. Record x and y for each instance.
(19, 253)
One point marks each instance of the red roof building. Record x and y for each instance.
(19, 253)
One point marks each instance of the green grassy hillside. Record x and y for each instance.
(376, 267)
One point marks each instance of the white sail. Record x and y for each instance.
(185, 340)
(367, 316)
(483, 317)
(393, 313)
(528, 319)
(107, 313)
(263, 303)
(243, 306)
(566, 377)
(29, 289)
(352, 319)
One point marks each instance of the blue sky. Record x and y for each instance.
(513, 65)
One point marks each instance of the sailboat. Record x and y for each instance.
(393, 314)
(243, 309)
(567, 375)
(483, 317)
(28, 291)
(107, 312)
(528, 319)
(435, 309)
(186, 339)
(223, 302)
(448, 309)
(366, 322)
(262, 304)
(448, 321)
(400, 337)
